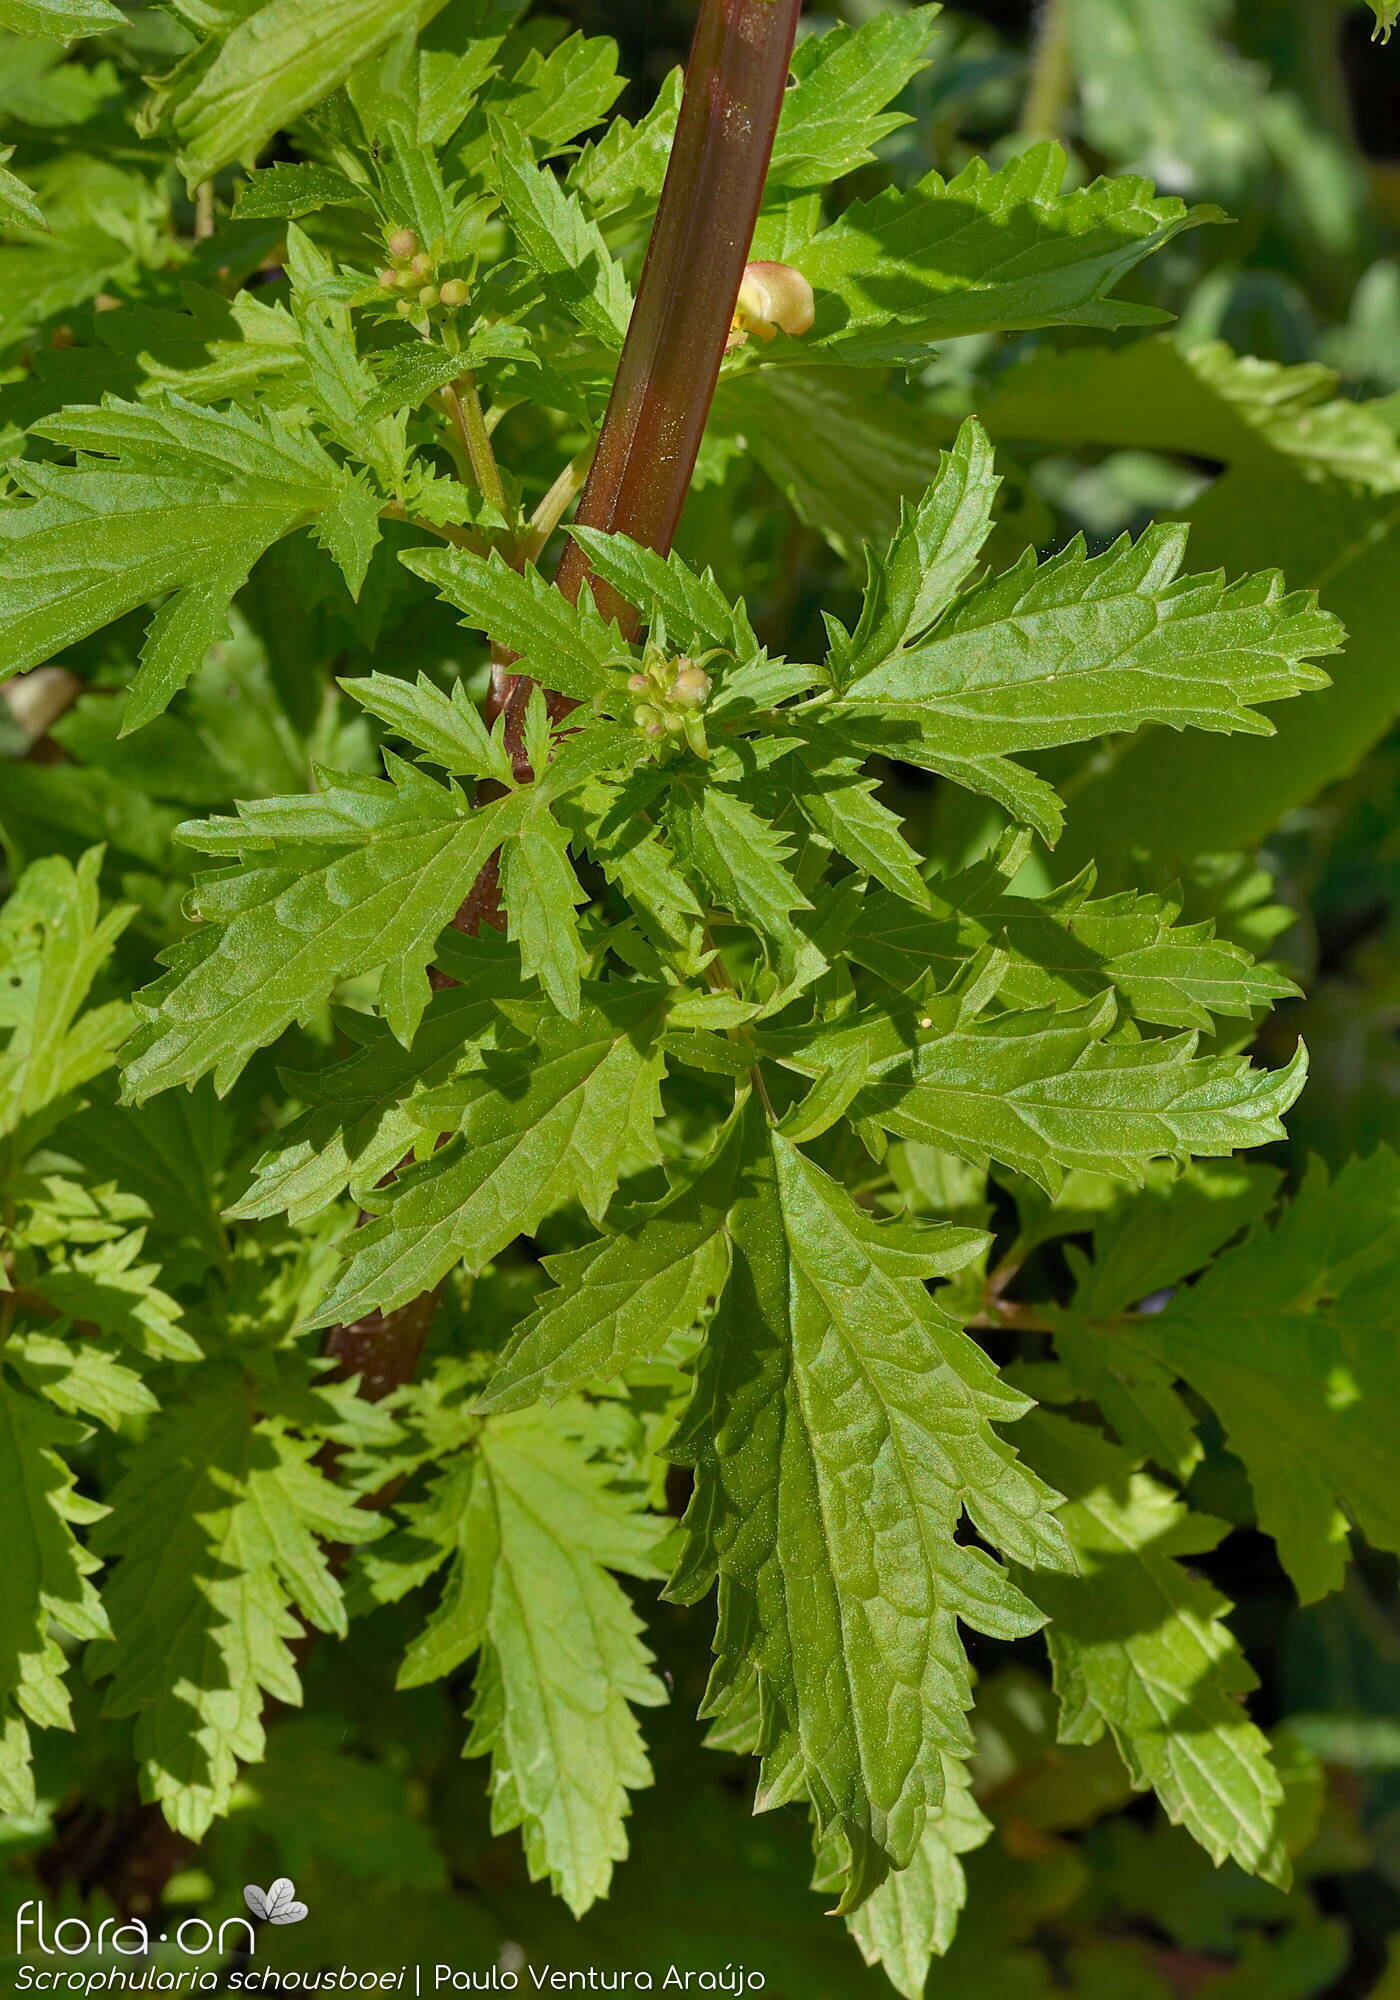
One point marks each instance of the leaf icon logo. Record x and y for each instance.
(277, 1905)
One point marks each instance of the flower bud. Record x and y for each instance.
(407, 308)
(692, 684)
(454, 293)
(402, 243)
(638, 683)
(388, 280)
(645, 717)
(422, 264)
(429, 296)
(674, 725)
(773, 299)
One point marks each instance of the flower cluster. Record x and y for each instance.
(675, 690)
(412, 273)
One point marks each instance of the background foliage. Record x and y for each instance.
(1267, 414)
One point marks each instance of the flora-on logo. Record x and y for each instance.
(277, 1905)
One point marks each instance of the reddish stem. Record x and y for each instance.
(685, 302)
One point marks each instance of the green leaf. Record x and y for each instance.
(1045, 1092)
(1065, 946)
(18, 206)
(930, 558)
(294, 190)
(360, 1120)
(107, 1288)
(554, 96)
(840, 1424)
(986, 251)
(621, 1298)
(1193, 797)
(911, 1918)
(417, 370)
(1081, 645)
(363, 874)
(540, 892)
(44, 1581)
(562, 244)
(840, 803)
(566, 646)
(1166, 1233)
(447, 728)
(1139, 1646)
(53, 944)
(79, 1378)
(64, 19)
(1285, 1337)
(191, 499)
(553, 1121)
(219, 1525)
(535, 1529)
(1155, 395)
(743, 863)
(275, 61)
(834, 113)
(694, 610)
(628, 162)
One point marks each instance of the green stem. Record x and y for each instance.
(469, 423)
(1051, 83)
(555, 504)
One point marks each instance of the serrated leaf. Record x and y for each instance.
(1081, 645)
(1286, 1337)
(628, 161)
(1045, 1092)
(622, 1298)
(535, 1530)
(911, 1918)
(274, 62)
(349, 532)
(567, 646)
(566, 249)
(840, 802)
(724, 844)
(1138, 1646)
(1067, 945)
(1169, 1230)
(985, 251)
(79, 1377)
(191, 498)
(551, 1122)
(218, 1526)
(540, 892)
(329, 886)
(834, 111)
(447, 728)
(360, 1123)
(694, 610)
(44, 1581)
(930, 558)
(53, 944)
(295, 189)
(107, 1288)
(840, 1423)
